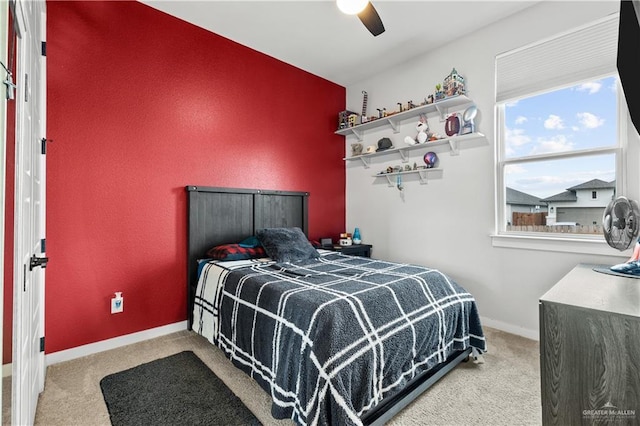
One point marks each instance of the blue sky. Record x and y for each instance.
(574, 118)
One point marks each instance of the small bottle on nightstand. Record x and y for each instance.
(356, 236)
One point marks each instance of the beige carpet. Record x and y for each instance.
(505, 390)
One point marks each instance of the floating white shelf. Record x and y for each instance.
(422, 175)
(441, 107)
(403, 151)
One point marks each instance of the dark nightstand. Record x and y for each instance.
(363, 250)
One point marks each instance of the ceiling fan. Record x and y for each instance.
(365, 11)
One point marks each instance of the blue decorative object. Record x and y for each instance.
(249, 242)
(430, 159)
(630, 268)
(356, 236)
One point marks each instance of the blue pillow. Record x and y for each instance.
(249, 242)
(286, 244)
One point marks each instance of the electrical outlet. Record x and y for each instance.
(117, 303)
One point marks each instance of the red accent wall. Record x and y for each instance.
(141, 104)
(7, 320)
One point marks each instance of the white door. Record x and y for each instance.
(28, 290)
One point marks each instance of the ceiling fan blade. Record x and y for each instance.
(370, 18)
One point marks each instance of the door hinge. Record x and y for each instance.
(44, 48)
(44, 141)
(24, 277)
(42, 344)
(43, 245)
(38, 261)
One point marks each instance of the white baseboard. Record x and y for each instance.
(510, 328)
(116, 342)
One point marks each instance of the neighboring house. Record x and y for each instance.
(581, 204)
(521, 202)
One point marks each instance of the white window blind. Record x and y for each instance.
(582, 54)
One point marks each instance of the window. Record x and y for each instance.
(559, 148)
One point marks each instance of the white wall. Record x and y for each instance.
(448, 222)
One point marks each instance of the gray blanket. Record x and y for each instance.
(328, 338)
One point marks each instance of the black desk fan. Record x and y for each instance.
(621, 225)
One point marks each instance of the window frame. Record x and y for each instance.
(570, 243)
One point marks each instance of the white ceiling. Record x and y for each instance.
(315, 36)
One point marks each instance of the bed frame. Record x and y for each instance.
(228, 215)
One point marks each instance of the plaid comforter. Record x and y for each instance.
(328, 338)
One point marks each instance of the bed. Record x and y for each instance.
(334, 339)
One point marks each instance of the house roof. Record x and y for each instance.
(570, 193)
(517, 197)
(594, 184)
(563, 196)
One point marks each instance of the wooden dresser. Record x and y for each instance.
(590, 349)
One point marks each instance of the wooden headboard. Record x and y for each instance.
(229, 215)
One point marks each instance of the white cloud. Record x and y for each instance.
(591, 87)
(614, 84)
(520, 119)
(514, 138)
(554, 122)
(537, 181)
(589, 121)
(551, 185)
(558, 143)
(513, 169)
(541, 186)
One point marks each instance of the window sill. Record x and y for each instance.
(557, 244)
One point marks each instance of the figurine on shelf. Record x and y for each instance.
(430, 159)
(468, 117)
(453, 84)
(343, 119)
(423, 132)
(439, 92)
(363, 116)
(434, 137)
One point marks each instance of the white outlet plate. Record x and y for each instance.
(117, 305)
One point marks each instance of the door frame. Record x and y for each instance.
(28, 372)
(4, 38)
